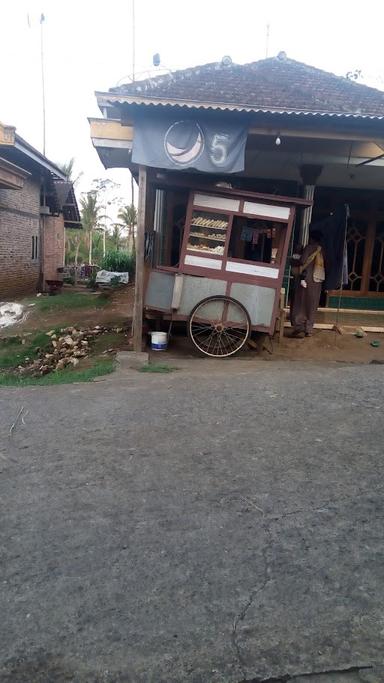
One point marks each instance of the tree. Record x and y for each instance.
(73, 243)
(90, 215)
(116, 235)
(128, 216)
(68, 169)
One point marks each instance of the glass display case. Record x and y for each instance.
(208, 232)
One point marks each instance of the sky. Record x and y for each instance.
(88, 47)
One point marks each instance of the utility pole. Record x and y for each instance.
(133, 79)
(133, 41)
(42, 20)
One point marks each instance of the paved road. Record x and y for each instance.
(218, 524)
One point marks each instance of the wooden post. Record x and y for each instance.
(309, 175)
(139, 278)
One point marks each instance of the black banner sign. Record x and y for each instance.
(207, 145)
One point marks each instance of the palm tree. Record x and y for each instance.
(116, 235)
(68, 167)
(90, 215)
(128, 216)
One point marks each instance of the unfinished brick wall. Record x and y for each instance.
(53, 246)
(19, 222)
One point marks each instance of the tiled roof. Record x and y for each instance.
(277, 84)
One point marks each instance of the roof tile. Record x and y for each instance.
(277, 83)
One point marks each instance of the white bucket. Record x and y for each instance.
(159, 341)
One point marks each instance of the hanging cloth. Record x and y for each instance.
(333, 231)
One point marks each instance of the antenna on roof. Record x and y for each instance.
(133, 41)
(42, 20)
(156, 59)
(267, 40)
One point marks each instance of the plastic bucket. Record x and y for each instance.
(159, 341)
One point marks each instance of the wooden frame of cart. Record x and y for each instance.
(231, 265)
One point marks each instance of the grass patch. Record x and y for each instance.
(14, 353)
(100, 367)
(70, 301)
(157, 367)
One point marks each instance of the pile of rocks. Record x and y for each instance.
(66, 348)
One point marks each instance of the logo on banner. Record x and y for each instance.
(184, 142)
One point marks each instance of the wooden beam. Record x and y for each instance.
(327, 134)
(139, 278)
(110, 129)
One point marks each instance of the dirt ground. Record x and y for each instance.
(325, 345)
(117, 311)
(329, 345)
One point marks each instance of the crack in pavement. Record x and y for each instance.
(252, 596)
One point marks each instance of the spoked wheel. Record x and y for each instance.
(219, 326)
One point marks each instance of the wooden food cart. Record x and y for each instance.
(230, 272)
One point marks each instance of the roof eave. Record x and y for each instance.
(39, 158)
(111, 99)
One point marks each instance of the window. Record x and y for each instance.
(35, 247)
(256, 240)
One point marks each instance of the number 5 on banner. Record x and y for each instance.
(219, 149)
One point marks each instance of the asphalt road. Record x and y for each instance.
(217, 524)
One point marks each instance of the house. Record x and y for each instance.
(310, 134)
(37, 203)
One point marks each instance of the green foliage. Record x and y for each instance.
(91, 284)
(119, 262)
(90, 210)
(14, 353)
(68, 169)
(128, 216)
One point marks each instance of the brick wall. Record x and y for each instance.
(53, 246)
(19, 222)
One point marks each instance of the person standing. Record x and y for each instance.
(310, 275)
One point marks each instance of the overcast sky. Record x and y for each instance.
(88, 47)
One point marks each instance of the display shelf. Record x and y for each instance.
(210, 227)
(207, 237)
(219, 251)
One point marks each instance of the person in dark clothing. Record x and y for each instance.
(310, 275)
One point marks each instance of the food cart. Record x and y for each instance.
(230, 272)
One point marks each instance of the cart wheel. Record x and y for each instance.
(219, 326)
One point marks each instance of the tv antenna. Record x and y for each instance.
(133, 41)
(42, 20)
(267, 40)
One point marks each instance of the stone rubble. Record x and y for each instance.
(67, 348)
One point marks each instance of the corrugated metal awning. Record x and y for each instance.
(111, 99)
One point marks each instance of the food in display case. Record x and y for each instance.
(207, 233)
